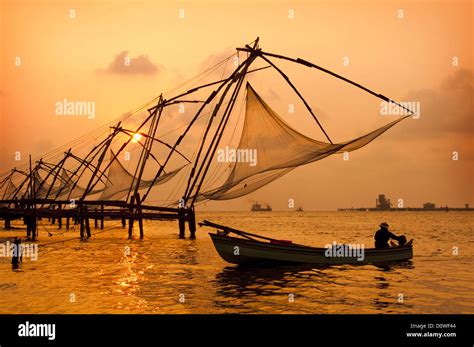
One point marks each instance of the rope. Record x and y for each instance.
(78, 238)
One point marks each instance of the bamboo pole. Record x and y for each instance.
(58, 169)
(145, 153)
(102, 216)
(287, 79)
(130, 221)
(139, 212)
(217, 137)
(60, 220)
(181, 222)
(192, 223)
(90, 185)
(192, 178)
(213, 146)
(196, 116)
(88, 227)
(309, 64)
(100, 144)
(81, 220)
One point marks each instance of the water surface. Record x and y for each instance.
(163, 274)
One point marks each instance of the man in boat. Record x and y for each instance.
(383, 235)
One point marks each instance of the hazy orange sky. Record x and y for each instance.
(408, 59)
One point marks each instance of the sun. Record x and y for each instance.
(136, 137)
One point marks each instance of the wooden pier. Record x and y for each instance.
(83, 211)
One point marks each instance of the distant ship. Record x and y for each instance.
(299, 209)
(258, 208)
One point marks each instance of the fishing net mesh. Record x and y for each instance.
(119, 181)
(278, 148)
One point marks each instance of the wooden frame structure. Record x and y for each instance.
(56, 204)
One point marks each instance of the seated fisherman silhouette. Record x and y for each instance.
(383, 235)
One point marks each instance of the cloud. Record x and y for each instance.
(224, 70)
(446, 110)
(461, 80)
(123, 64)
(214, 59)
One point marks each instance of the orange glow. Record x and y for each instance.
(136, 137)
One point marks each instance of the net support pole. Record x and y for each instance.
(102, 216)
(218, 135)
(146, 149)
(91, 185)
(60, 219)
(355, 84)
(192, 222)
(81, 220)
(287, 79)
(192, 177)
(182, 222)
(196, 116)
(88, 226)
(139, 213)
(220, 130)
(130, 220)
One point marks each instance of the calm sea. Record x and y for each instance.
(163, 274)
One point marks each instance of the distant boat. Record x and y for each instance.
(299, 209)
(271, 251)
(259, 208)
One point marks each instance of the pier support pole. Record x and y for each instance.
(130, 221)
(81, 221)
(88, 227)
(139, 211)
(60, 220)
(182, 222)
(192, 223)
(33, 224)
(102, 216)
(7, 223)
(33, 228)
(96, 219)
(26, 220)
(53, 217)
(124, 222)
(67, 223)
(140, 225)
(82, 228)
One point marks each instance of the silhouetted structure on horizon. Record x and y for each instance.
(382, 203)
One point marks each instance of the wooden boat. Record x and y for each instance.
(246, 249)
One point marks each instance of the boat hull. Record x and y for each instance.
(241, 251)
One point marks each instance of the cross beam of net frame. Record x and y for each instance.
(240, 74)
(146, 148)
(131, 133)
(125, 144)
(27, 180)
(84, 164)
(331, 147)
(320, 68)
(90, 185)
(152, 113)
(174, 100)
(122, 118)
(221, 84)
(56, 169)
